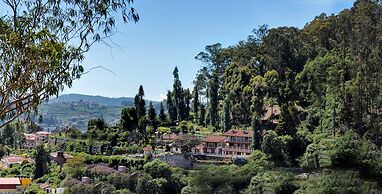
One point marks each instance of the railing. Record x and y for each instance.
(240, 149)
(238, 141)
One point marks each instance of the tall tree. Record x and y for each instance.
(139, 102)
(129, 119)
(152, 115)
(227, 113)
(257, 128)
(187, 101)
(171, 107)
(214, 100)
(178, 95)
(46, 56)
(8, 135)
(202, 117)
(195, 103)
(162, 114)
(41, 162)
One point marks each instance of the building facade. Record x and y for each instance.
(212, 145)
(238, 142)
(232, 143)
(35, 139)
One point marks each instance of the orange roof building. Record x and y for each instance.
(8, 161)
(238, 142)
(9, 185)
(212, 145)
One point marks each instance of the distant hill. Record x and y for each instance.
(76, 109)
(101, 100)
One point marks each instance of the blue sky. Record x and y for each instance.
(172, 32)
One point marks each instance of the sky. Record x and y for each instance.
(172, 32)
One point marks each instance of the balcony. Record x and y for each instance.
(238, 141)
(237, 149)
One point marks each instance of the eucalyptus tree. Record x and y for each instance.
(42, 46)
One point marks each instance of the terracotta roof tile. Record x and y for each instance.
(103, 169)
(30, 137)
(10, 181)
(213, 139)
(239, 133)
(13, 159)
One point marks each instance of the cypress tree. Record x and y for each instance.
(187, 99)
(227, 114)
(213, 109)
(162, 114)
(139, 102)
(41, 162)
(129, 119)
(196, 103)
(171, 107)
(152, 115)
(202, 114)
(257, 128)
(178, 95)
(8, 135)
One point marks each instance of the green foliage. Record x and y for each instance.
(272, 182)
(339, 182)
(258, 162)
(120, 180)
(195, 103)
(171, 107)
(273, 146)
(129, 119)
(227, 114)
(75, 167)
(41, 162)
(7, 135)
(34, 189)
(3, 151)
(157, 169)
(147, 185)
(40, 43)
(216, 179)
(152, 116)
(162, 114)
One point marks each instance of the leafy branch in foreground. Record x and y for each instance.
(42, 45)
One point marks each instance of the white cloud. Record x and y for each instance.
(162, 96)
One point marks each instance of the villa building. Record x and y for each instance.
(212, 145)
(231, 143)
(238, 142)
(35, 139)
(14, 185)
(9, 161)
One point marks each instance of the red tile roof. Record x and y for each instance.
(14, 159)
(170, 136)
(239, 133)
(10, 181)
(43, 133)
(43, 185)
(30, 137)
(102, 169)
(271, 111)
(213, 139)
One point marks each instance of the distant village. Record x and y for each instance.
(231, 146)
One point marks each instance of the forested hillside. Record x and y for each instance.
(101, 100)
(287, 110)
(76, 109)
(326, 79)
